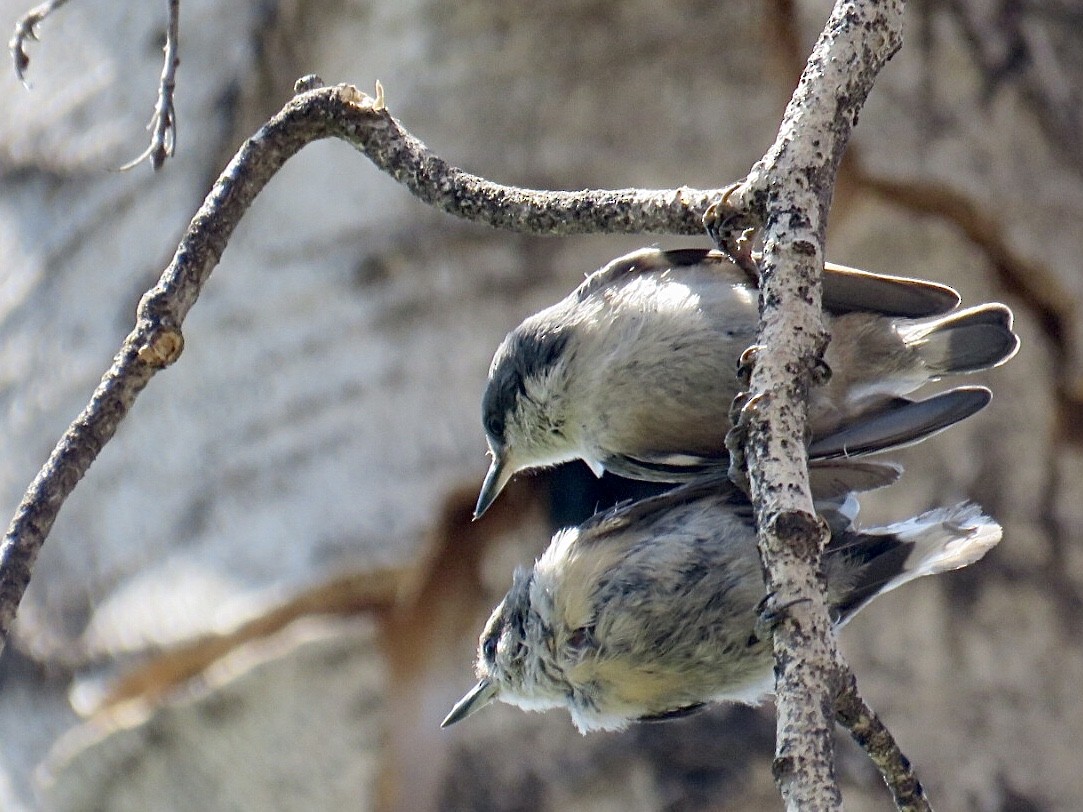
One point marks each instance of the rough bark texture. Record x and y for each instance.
(791, 190)
(868, 730)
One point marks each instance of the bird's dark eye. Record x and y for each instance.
(494, 426)
(488, 649)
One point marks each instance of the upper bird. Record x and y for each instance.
(635, 371)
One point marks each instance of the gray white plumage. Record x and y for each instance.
(649, 611)
(634, 371)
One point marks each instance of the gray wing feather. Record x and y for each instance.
(901, 422)
(848, 289)
(645, 260)
(845, 289)
(627, 514)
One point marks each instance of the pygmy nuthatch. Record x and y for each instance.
(649, 611)
(635, 371)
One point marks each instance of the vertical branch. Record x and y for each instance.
(788, 194)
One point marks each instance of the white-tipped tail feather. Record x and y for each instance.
(944, 539)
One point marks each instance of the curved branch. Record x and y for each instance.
(434, 181)
(157, 341)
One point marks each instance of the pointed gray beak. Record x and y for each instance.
(480, 695)
(499, 474)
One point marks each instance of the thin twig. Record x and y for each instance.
(789, 191)
(156, 341)
(26, 31)
(163, 123)
(866, 728)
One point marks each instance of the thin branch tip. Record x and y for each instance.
(353, 95)
(20, 58)
(307, 83)
(26, 31)
(163, 121)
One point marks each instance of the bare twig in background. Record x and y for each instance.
(853, 713)
(26, 31)
(156, 341)
(163, 123)
(789, 191)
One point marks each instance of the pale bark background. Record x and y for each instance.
(316, 450)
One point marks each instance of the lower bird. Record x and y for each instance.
(649, 611)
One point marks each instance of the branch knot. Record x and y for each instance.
(162, 346)
(804, 533)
